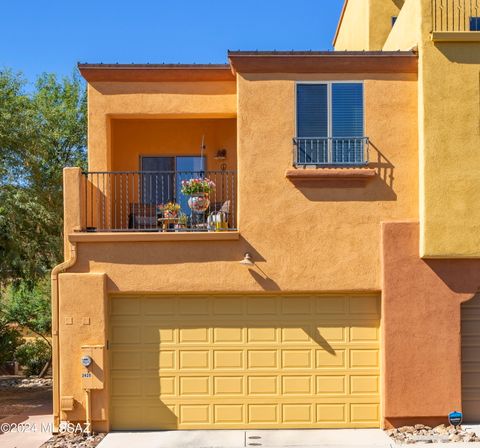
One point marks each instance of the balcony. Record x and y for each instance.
(163, 201)
(329, 152)
(456, 20)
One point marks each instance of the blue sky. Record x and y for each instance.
(53, 35)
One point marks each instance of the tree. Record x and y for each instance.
(29, 307)
(40, 133)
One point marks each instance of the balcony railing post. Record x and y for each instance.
(454, 15)
(342, 151)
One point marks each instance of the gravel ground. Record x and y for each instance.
(68, 440)
(24, 383)
(426, 434)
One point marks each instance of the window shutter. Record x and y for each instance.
(347, 110)
(312, 110)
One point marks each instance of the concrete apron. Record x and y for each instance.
(325, 438)
(306, 438)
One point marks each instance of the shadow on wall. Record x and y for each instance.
(166, 253)
(461, 276)
(206, 88)
(380, 188)
(460, 52)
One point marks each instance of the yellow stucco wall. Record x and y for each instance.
(366, 24)
(380, 23)
(450, 225)
(353, 32)
(449, 121)
(449, 135)
(150, 100)
(405, 33)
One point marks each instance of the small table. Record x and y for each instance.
(165, 223)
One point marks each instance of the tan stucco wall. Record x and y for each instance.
(150, 100)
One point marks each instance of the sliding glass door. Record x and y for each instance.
(162, 178)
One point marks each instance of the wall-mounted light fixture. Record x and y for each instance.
(247, 260)
(221, 154)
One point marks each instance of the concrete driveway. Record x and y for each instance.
(298, 438)
(325, 438)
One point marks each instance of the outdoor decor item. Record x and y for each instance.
(199, 190)
(169, 210)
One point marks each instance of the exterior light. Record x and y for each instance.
(247, 260)
(221, 154)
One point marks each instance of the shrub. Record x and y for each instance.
(33, 356)
(10, 339)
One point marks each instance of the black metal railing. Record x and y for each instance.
(456, 15)
(322, 151)
(144, 201)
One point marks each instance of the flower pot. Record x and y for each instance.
(198, 202)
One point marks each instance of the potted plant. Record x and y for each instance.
(182, 222)
(169, 210)
(199, 190)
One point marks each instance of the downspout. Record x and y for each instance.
(56, 271)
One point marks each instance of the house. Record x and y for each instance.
(290, 240)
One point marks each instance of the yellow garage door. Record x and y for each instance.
(471, 359)
(244, 362)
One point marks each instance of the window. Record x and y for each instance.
(330, 129)
(474, 23)
(162, 178)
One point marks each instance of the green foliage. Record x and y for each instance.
(29, 306)
(33, 356)
(40, 133)
(10, 339)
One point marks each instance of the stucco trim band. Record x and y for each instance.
(155, 72)
(126, 237)
(456, 36)
(330, 174)
(324, 62)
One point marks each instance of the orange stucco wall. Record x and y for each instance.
(133, 138)
(421, 306)
(150, 100)
(305, 238)
(337, 226)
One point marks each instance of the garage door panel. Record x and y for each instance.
(229, 385)
(254, 362)
(329, 360)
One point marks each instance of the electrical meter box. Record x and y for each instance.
(92, 361)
